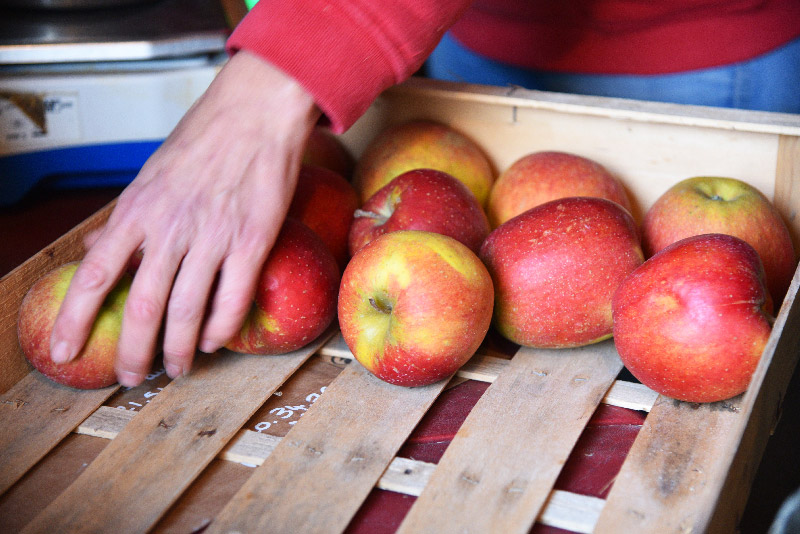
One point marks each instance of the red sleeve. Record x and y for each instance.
(345, 52)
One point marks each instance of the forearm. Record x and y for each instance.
(346, 52)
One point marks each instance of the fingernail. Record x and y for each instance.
(174, 371)
(129, 378)
(209, 346)
(61, 352)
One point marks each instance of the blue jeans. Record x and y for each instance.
(770, 82)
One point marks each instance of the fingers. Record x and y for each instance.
(186, 309)
(233, 297)
(96, 275)
(144, 311)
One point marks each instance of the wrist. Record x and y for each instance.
(249, 80)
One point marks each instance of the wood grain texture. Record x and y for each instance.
(35, 415)
(787, 186)
(164, 448)
(500, 468)
(319, 474)
(15, 284)
(667, 480)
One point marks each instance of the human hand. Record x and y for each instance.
(205, 209)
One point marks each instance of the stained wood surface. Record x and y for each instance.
(501, 466)
(319, 474)
(787, 185)
(35, 414)
(164, 448)
(664, 484)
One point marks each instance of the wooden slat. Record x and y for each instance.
(15, 284)
(571, 511)
(563, 509)
(163, 449)
(35, 415)
(321, 472)
(663, 484)
(501, 466)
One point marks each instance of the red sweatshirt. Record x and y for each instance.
(345, 52)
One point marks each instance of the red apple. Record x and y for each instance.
(324, 149)
(422, 199)
(555, 268)
(692, 321)
(423, 145)
(93, 368)
(544, 176)
(325, 202)
(414, 306)
(295, 300)
(709, 204)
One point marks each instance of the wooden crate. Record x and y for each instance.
(689, 470)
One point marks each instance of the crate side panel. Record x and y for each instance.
(647, 157)
(787, 185)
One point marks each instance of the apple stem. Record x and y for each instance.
(365, 213)
(380, 306)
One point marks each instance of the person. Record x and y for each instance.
(207, 206)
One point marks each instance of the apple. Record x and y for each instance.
(325, 202)
(422, 199)
(324, 149)
(414, 306)
(692, 321)
(93, 368)
(539, 177)
(712, 204)
(423, 144)
(555, 269)
(295, 299)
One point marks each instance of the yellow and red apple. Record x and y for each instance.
(692, 322)
(422, 199)
(712, 204)
(414, 306)
(295, 300)
(325, 202)
(540, 177)
(93, 368)
(555, 269)
(423, 145)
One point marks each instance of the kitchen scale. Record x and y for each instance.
(87, 93)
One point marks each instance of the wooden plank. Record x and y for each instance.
(163, 449)
(15, 284)
(35, 415)
(563, 509)
(667, 479)
(322, 471)
(501, 466)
